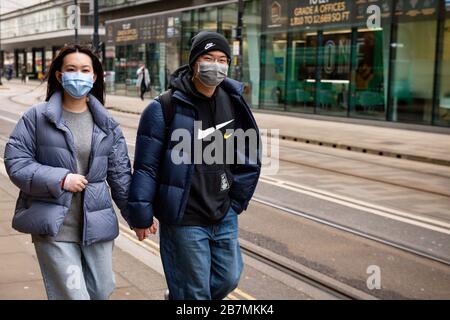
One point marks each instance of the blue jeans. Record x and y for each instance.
(75, 272)
(201, 263)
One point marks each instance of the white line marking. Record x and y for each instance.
(427, 223)
(8, 119)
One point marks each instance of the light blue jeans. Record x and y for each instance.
(201, 263)
(75, 272)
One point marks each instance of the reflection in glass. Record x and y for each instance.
(251, 51)
(274, 70)
(334, 55)
(301, 88)
(370, 77)
(443, 107)
(412, 85)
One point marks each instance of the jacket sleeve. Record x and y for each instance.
(119, 172)
(246, 171)
(245, 179)
(24, 171)
(150, 143)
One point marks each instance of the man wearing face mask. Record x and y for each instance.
(197, 203)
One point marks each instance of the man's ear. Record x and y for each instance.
(195, 68)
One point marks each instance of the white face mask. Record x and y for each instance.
(212, 74)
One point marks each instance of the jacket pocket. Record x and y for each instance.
(39, 217)
(97, 196)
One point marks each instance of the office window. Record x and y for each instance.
(414, 50)
(443, 107)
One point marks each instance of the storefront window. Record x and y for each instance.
(443, 107)
(21, 67)
(155, 53)
(301, 86)
(38, 55)
(48, 59)
(127, 62)
(29, 61)
(189, 27)
(413, 46)
(369, 97)
(334, 78)
(251, 50)
(273, 82)
(207, 18)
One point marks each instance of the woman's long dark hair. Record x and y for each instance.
(53, 85)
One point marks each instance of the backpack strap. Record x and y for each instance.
(168, 108)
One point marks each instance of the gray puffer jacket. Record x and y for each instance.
(41, 152)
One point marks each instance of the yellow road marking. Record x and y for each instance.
(243, 294)
(140, 243)
(232, 297)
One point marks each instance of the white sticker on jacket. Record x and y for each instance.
(224, 185)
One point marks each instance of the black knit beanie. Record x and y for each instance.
(206, 41)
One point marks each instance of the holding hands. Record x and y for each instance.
(141, 234)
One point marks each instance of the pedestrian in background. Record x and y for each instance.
(24, 74)
(143, 80)
(64, 155)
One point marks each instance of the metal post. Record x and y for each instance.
(239, 28)
(95, 38)
(438, 60)
(76, 21)
(1, 55)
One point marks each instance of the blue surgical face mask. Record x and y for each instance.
(77, 84)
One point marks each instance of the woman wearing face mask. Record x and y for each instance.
(65, 154)
(196, 202)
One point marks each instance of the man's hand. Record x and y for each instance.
(141, 234)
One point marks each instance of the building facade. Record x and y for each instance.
(31, 36)
(386, 60)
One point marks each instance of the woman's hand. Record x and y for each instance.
(75, 182)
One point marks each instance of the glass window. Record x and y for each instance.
(189, 28)
(48, 59)
(334, 61)
(155, 54)
(38, 55)
(273, 65)
(29, 62)
(207, 18)
(301, 84)
(369, 97)
(443, 107)
(126, 64)
(21, 68)
(251, 50)
(412, 83)
(227, 27)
